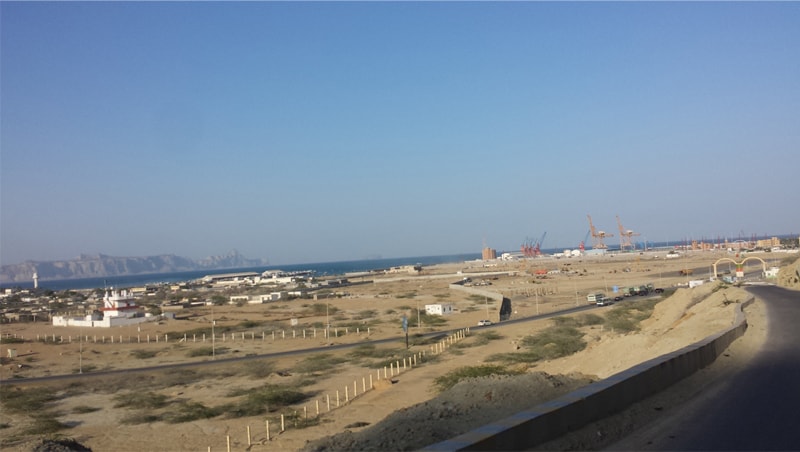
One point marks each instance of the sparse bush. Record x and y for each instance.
(140, 417)
(551, 343)
(369, 313)
(190, 411)
(144, 354)
(452, 378)
(625, 317)
(259, 369)
(249, 324)
(206, 351)
(318, 363)
(140, 400)
(18, 400)
(45, 424)
(486, 337)
(81, 409)
(555, 342)
(260, 400)
(371, 351)
(300, 422)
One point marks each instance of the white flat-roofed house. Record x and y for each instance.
(239, 299)
(439, 309)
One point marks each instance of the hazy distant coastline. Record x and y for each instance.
(97, 266)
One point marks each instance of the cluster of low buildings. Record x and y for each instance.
(112, 307)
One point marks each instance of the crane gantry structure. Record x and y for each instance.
(598, 237)
(626, 237)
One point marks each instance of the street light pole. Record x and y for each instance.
(213, 336)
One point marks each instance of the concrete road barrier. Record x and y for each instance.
(550, 420)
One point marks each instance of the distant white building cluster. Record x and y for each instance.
(119, 309)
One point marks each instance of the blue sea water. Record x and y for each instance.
(320, 269)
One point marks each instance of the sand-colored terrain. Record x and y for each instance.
(375, 310)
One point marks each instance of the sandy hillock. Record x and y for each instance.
(687, 316)
(789, 275)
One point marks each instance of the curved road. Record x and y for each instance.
(755, 408)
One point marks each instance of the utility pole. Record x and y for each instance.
(80, 358)
(213, 336)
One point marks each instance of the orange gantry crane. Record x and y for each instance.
(626, 237)
(597, 236)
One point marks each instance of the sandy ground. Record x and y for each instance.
(383, 413)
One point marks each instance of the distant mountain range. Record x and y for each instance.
(95, 266)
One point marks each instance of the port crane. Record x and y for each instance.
(529, 248)
(598, 237)
(626, 237)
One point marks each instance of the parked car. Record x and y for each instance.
(618, 298)
(484, 322)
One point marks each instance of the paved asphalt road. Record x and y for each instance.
(756, 408)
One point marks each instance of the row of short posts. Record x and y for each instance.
(436, 348)
(345, 396)
(448, 341)
(305, 334)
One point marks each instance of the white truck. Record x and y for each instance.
(599, 298)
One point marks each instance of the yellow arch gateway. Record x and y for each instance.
(740, 265)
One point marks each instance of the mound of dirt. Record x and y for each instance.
(467, 405)
(789, 275)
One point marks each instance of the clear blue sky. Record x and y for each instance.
(309, 132)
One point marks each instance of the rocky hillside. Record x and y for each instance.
(95, 266)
